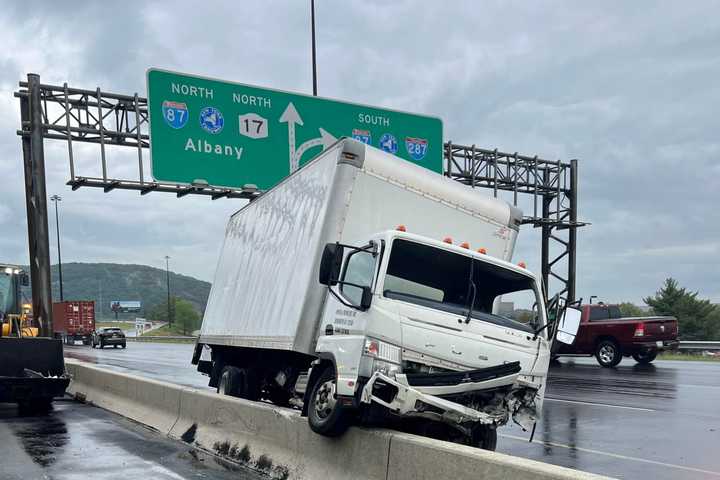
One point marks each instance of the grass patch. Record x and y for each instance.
(123, 325)
(165, 331)
(161, 340)
(691, 357)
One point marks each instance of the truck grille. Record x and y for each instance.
(456, 378)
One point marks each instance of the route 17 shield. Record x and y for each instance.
(416, 147)
(175, 114)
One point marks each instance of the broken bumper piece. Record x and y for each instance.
(415, 395)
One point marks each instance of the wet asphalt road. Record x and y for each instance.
(660, 421)
(77, 441)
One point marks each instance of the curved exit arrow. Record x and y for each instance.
(292, 117)
(325, 140)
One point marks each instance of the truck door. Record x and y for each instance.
(344, 322)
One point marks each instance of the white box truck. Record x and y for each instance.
(369, 288)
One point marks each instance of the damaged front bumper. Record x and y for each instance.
(506, 396)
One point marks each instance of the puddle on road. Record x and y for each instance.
(44, 439)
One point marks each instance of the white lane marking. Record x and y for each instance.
(599, 404)
(614, 455)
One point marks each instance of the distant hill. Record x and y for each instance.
(105, 282)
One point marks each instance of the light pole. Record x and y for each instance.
(314, 62)
(56, 199)
(167, 277)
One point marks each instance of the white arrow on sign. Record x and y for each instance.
(292, 117)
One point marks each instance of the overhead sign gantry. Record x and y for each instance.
(117, 120)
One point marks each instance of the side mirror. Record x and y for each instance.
(569, 326)
(366, 298)
(24, 280)
(330, 264)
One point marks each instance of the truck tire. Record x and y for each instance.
(250, 384)
(608, 353)
(645, 357)
(485, 437)
(325, 415)
(229, 382)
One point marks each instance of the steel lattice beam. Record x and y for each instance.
(553, 187)
(108, 119)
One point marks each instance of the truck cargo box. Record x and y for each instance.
(266, 293)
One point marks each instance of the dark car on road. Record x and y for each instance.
(103, 337)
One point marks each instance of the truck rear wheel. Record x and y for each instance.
(229, 383)
(325, 414)
(645, 357)
(608, 353)
(239, 382)
(250, 384)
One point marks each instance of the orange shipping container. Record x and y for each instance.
(74, 318)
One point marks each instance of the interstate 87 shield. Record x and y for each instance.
(229, 134)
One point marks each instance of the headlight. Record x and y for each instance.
(389, 369)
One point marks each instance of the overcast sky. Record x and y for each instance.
(629, 88)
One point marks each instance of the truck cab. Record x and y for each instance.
(417, 325)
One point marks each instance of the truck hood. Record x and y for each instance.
(441, 339)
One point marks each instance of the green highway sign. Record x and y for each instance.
(229, 134)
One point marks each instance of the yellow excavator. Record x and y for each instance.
(32, 369)
(15, 317)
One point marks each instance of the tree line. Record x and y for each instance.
(698, 318)
(183, 316)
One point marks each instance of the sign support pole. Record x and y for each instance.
(36, 205)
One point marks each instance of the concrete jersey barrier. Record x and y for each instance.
(279, 443)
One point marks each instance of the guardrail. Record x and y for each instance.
(698, 345)
(278, 443)
(151, 338)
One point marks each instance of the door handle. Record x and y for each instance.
(456, 352)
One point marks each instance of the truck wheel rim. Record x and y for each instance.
(607, 353)
(325, 399)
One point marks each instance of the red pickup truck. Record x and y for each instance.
(605, 333)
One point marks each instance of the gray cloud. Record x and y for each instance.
(628, 88)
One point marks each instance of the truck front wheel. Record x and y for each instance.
(645, 357)
(325, 414)
(608, 353)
